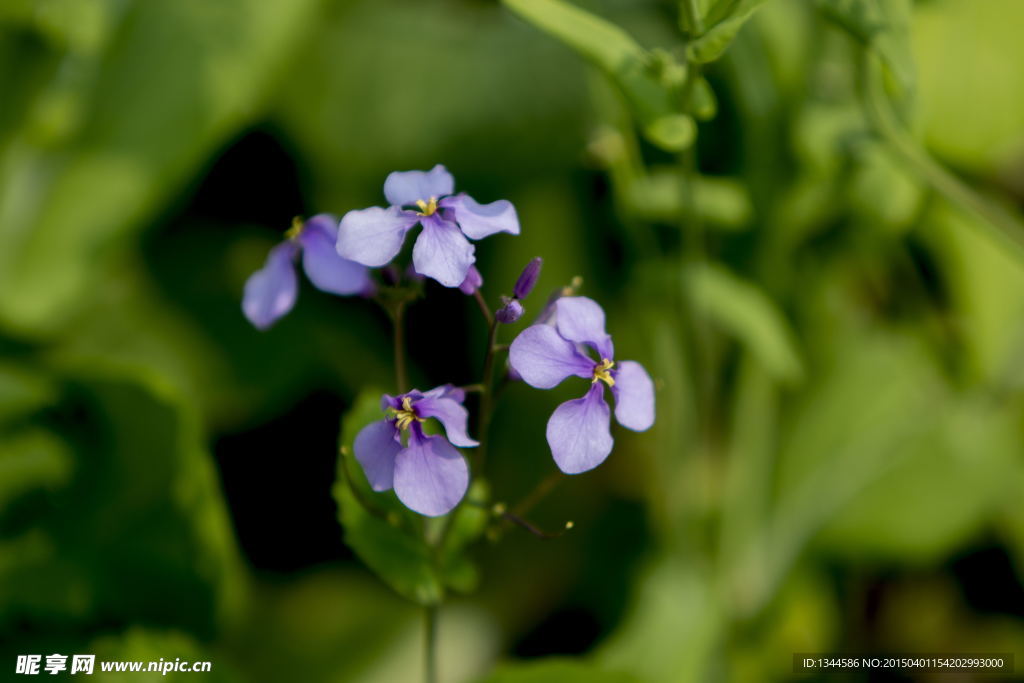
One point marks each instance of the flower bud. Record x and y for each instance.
(527, 279)
(510, 312)
(472, 282)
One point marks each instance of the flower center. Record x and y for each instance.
(406, 415)
(427, 208)
(601, 372)
(296, 229)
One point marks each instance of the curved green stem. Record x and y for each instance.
(1000, 224)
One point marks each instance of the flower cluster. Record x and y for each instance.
(426, 470)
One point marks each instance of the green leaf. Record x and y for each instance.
(148, 539)
(556, 670)
(672, 628)
(742, 309)
(151, 645)
(861, 475)
(976, 124)
(716, 39)
(943, 488)
(985, 284)
(649, 82)
(597, 39)
(401, 559)
(881, 484)
(466, 527)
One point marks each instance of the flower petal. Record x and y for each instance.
(375, 447)
(441, 252)
(373, 236)
(328, 271)
(480, 220)
(450, 414)
(403, 188)
(543, 358)
(581, 320)
(634, 396)
(578, 432)
(446, 391)
(271, 291)
(430, 475)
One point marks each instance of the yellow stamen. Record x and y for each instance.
(574, 284)
(296, 229)
(406, 415)
(428, 208)
(601, 372)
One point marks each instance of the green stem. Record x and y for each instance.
(693, 255)
(1000, 224)
(430, 644)
(542, 489)
(484, 308)
(486, 396)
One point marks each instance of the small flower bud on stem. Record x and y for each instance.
(527, 279)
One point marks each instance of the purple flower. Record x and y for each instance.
(427, 473)
(544, 355)
(374, 236)
(271, 291)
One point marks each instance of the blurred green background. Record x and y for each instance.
(838, 347)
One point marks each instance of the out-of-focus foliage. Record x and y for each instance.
(796, 215)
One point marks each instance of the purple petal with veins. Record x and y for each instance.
(543, 358)
(578, 432)
(375, 448)
(634, 396)
(442, 252)
(449, 413)
(328, 271)
(431, 477)
(581, 320)
(481, 220)
(374, 236)
(404, 188)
